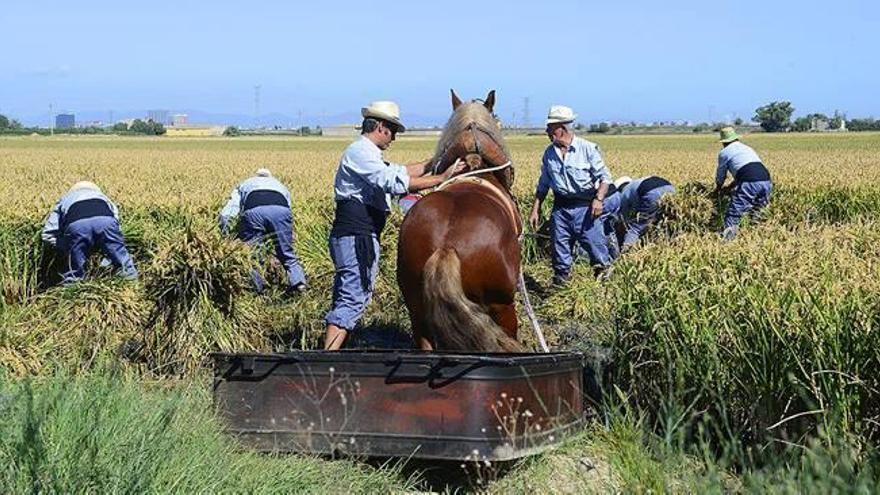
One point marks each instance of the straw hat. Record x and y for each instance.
(622, 181)
(728, 135)
(384, 110)
(560, 114)
(263, 172)
(84, 184)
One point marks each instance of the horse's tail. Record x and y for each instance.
(458, 323)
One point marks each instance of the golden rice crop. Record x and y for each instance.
(782, 311)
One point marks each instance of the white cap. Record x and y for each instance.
(622, 180)
(263, 172)
(84, 184)
(560, 114)
(385, 110)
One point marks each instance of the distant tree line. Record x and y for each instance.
(868, 124)
(138, 126)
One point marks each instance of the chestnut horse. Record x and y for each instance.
(458, 255)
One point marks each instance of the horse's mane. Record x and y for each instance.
(475, 112)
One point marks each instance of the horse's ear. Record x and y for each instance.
(456, 101)
(490, 101)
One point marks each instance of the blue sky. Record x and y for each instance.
(629, 60)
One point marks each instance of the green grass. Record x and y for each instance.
(108, 433)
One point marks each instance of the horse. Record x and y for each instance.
(458, 254)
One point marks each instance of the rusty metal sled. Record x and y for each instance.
(492, 407)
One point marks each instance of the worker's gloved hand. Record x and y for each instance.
(224, 226)
(105, 262)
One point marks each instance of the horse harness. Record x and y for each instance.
(506, 201)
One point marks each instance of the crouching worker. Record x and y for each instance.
(363, 187)
(640, 205)
(263, 204)
(82, 220)
(751, 186)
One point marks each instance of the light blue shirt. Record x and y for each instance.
(575, 176)
(239, 195)
(364, 176)
(629, 196)
(53, 222)
(732, 158)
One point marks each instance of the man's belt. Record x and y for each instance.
(571, 201)
(752, 172)
(86, 208)
(264, 197)
(651, 183)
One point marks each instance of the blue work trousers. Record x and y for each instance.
(276, 222)
(576, 225)
(350, 292)
(645, 212)
(747, 197)
(81, 237)
(610, 216)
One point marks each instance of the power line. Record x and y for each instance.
(257, 106)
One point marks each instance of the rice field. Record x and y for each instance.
(723, 358)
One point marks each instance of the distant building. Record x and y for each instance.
(341, 130)
(65, 121)
(159, 116)
(180, 119)
(194, 130)
(819, 125)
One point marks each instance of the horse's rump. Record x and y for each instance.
(458, 252)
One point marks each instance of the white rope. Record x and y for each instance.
(473, 172)
(531, 313)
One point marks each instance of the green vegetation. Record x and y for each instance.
(750, 366)
(775, 116)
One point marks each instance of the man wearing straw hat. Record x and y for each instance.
(574, 169)
(264, 205)
(363, 187)
(751, 185)
(82, 220)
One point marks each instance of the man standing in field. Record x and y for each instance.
(640, 205)
(84, 219)
(363, 187)
(574, 169)
(264, 205)
(751, 185)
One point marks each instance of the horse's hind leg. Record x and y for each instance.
(421, 338)
(505, 316)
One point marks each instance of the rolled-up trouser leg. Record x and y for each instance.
(251, 231)
(561, 240)
(350, 297)
(279, 223)
(646, 211)
(112, 244)
(746, 197)
(74, 246)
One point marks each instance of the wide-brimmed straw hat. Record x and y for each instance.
(263, 172)
(384, 110)
(728, 135)
(560, 114)
(84, 184)
(622, 181)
